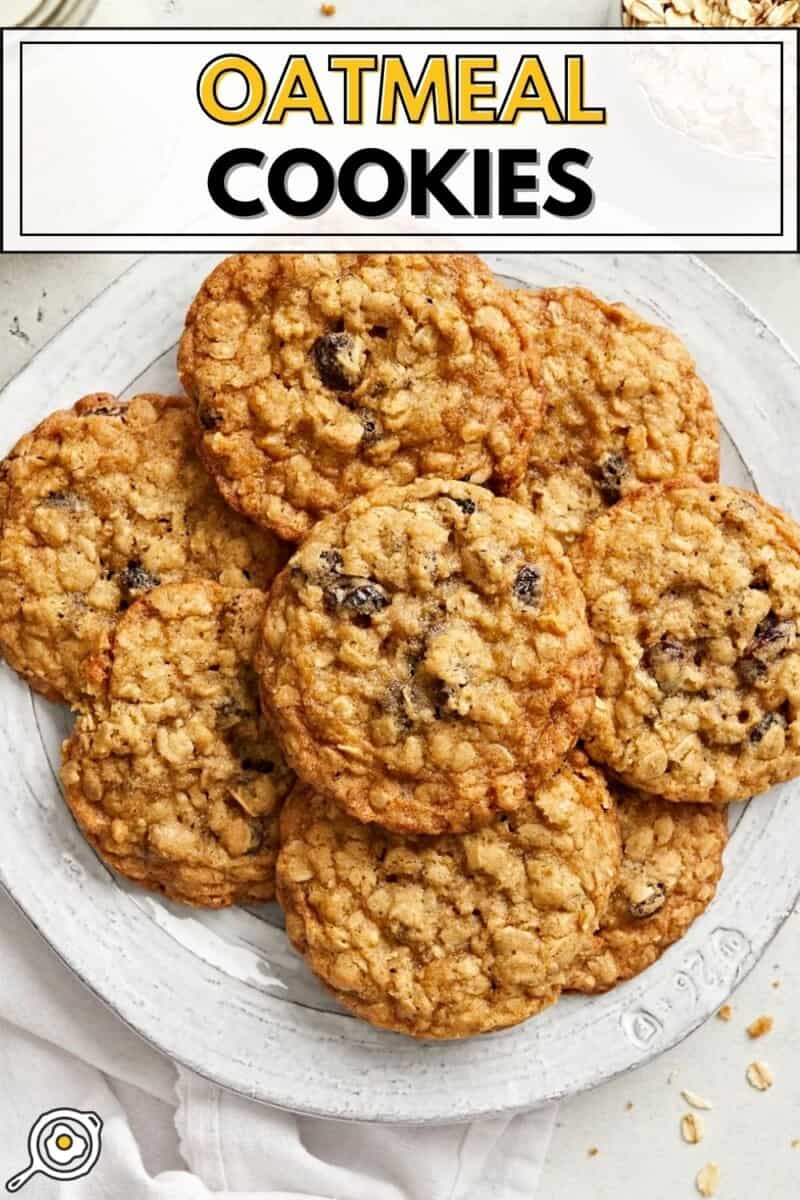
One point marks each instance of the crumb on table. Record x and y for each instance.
(760, 1027)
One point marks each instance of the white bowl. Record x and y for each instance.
(38, 13)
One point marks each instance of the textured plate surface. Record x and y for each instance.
(222, 992)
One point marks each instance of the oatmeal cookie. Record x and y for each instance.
(101, 503)
(320, 376)
(448, 936)
(173, 775)
(671, 865)
(426, 657)
(693, 592)
(624, 406)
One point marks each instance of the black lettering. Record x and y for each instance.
(325, 189)
(349, 173)
(582, 201)
(221, 172)
(429, 181)
(482, 183)
(510, 182)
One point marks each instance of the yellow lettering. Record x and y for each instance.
(433, 84)
(470, 88)
(576, 113)
(530, 91)
(354, 70)
(298, 91)
(208, 84)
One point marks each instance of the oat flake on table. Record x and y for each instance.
(707, 1180)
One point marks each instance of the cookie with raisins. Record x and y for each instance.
(624, 407)
(671, 865)
(100, 504)
(318, 377)
(426, 658)
(455, 935)
(173, 774)
(693, 594)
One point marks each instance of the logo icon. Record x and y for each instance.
(62, 1144)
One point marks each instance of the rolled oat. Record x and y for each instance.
(759, 1076)
(695, 1100)
(707, 1180)
(692, 1128)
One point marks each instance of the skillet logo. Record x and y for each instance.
(63, 1144)
(382, 92)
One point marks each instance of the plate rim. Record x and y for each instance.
(502, 1106)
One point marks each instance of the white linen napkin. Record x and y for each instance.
(170, 1135)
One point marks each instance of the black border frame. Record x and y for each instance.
(393, 29)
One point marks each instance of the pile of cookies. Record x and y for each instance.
(424, 612)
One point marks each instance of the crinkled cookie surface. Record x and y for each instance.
(624, 406)
(174, 776)
(101, 503)
(693, 593)
(445, 937)
(671, 864)
(426, 657)
(320, 376)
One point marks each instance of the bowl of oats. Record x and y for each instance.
(693, 14)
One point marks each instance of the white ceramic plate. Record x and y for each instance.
(222, 992)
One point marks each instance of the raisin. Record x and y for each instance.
(373, 430)
(665, 660)
(465, 504)
(262, 766)
(647, 902)
(399, 703)
(108, 410)
(611, 473)
(360, 597)
(210, 418)
(759, 731)
(135, 579)
(331, 560)
(333, 597)
(368, 598)
(338, 360)
(61, 500)
(750, 670)
(772, 638)
(528, 586)
(379, 331)
(668, 649)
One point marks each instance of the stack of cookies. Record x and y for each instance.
(424, 612)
